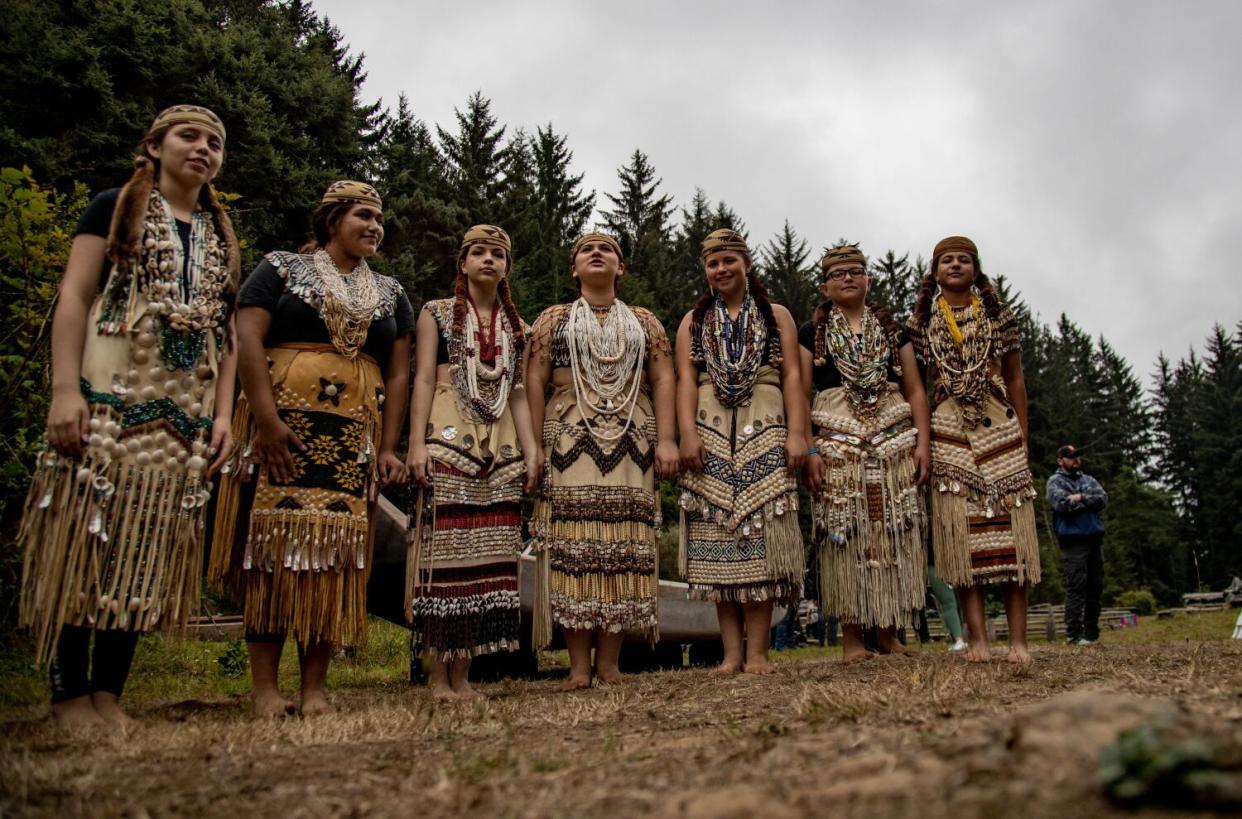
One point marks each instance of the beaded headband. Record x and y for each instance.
(596, 236)
(193, 114)
(487, 235)
(952, 243)
(358, 193)
(723, 239)
(842, 254)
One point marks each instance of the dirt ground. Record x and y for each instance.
(929, 737)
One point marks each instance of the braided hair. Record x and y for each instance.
(927, 293)
(461, 295)
(892, 330)
(757, 292)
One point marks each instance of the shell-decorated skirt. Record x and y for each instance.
(595, 522)
(740, 537)
(113, 540)
(981, 498)
(869, 523)
(298, 553)
(462, 568)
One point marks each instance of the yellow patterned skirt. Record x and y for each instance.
(981, 498)
(740, 539)
(595, 523)
(298, 553)
(869, 521)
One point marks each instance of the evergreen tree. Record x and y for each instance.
(790, 274)
(476, 160)
(895, 283)
(560, 213)
(640, 220)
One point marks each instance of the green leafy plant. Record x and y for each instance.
(1148, 765)
(1139, 601)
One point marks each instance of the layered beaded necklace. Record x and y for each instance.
(606, 359)
(187, 305)
(961, 350)
(733, 349)
(481, 387)
(862, 360)
(349, 302)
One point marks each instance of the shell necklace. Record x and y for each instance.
(348, 302)
(607, 363)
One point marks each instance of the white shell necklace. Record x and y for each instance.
(607, 361)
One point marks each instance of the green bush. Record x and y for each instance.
(1139, 601)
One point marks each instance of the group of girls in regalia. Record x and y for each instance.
(154, 327)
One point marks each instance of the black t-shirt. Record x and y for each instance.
(293, 320)
(828, 376)
(96, 220)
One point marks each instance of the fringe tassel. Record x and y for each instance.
(541, 627)
(306, 541)
(309, 606)
(414, 553)
(108, 546)
(683, 543)
(950, 540)
(227, 548)
(782, 539)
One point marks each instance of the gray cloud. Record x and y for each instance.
(1089, 147)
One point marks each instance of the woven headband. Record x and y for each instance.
(596, 236)
(359, 193)
(952, 243)
(723, 239)
(842, 254)
(192, 114)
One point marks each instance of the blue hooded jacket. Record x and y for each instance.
(1081, 517)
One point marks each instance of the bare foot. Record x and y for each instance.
(1018, 655)
(464, 691)
(609, 676)
(856, 656)
(978, 652)
(727, 668)
(443, 692)
(271, 704)
(575, 683)
(109, 708)
(315, 703)
(76, 713)
(897, 649)
(759, 665)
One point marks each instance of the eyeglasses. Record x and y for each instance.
(852, 272)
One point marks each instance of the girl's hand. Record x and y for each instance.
(795, 451)
(221, 445)
(418, 462)
(68, 423)
(534, 470)
(922, 464)
(667, 460)
(814, 474)
(391, 471)
(693, 454)
(273, 447)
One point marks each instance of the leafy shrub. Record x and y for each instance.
(1139, 601)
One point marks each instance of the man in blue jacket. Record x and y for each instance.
(1076, 499)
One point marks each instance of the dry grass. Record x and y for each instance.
(928, 737)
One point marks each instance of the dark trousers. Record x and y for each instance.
(76, 671)
(1084, 583)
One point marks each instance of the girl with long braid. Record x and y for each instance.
(143, 366)
(982, 515)
(742, 413)
(869, 427)
(473, 451)
(609, 432)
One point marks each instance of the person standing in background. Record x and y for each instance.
(1076, 499)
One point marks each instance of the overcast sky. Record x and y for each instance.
(1093, 150)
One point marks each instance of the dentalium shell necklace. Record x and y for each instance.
(486, 399)
(606, 360)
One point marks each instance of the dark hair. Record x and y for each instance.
(323, 220)
(927, 293)
(461, 293)
(128, 218)
(757, 292)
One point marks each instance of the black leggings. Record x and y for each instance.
(76, 671)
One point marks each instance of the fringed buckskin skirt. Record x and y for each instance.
(462, 565)
(981, 498)
(868, 518)
(740, 540)
(298, 553)
(595, 523)
(114, 540)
